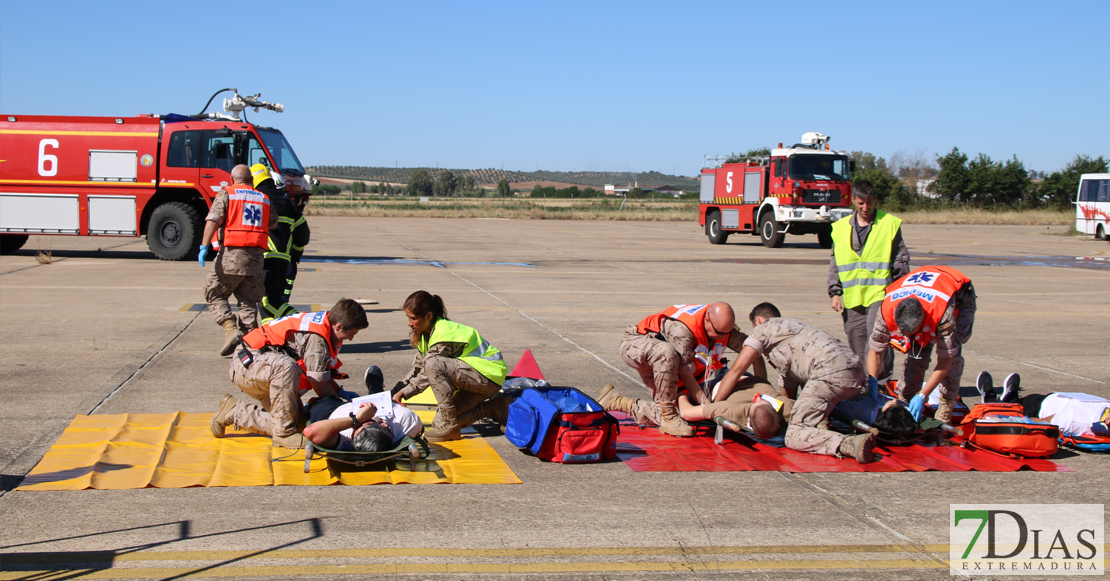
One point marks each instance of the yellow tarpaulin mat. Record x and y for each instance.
(177, 450)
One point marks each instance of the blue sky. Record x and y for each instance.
(611, 86)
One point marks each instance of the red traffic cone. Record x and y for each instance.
(527, 367)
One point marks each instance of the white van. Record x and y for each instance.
(1092, 205)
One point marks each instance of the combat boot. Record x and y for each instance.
(445, 426)
(499, 410)
(231, 339)
(611, 400)
(861, 447)
(944, 411)
(672, 424)
(224, 416)
(292, 441)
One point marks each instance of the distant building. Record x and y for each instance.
(612, 190)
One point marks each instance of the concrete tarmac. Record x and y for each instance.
(104, 329)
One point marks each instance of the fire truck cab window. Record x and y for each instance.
(184, 149)
(819, 167)
(283, 154)
(256, 153)
(219, 151)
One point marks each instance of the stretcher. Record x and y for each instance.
(1087, 443)
(411, 448)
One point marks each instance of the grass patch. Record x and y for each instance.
(632, 210)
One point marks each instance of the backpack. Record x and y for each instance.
(1003, 429)
(562, 425)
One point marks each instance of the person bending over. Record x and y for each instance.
(464, 371)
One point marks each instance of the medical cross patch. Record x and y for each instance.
(252, 214)
(922, 278)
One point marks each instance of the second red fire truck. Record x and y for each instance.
(801, 189)
(152, 175)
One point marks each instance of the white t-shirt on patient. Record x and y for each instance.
(1074, 413)
(404, 422)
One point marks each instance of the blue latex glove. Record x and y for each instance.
(873, 389)
(917, 405)
(201, 254)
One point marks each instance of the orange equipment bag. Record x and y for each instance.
(1002, 428)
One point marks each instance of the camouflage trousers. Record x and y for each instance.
(916, 369)
(858, 323)
(458, 388)
(656, 360)
(271, 379)
(248, 291)
(815, 404)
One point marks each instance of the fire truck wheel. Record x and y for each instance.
(769, 231)
(824, 237)
(174, 231)
(9, 243)
(713, 229)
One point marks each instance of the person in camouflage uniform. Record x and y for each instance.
(274, 373)
(681, 344)
(238, 269)
(825, 370)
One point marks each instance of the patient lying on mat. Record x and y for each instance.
(1076, 414)
(754, 405)
(337, 426)
(885, 414)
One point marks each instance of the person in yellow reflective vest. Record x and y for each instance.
(868, 254)
(464, 371)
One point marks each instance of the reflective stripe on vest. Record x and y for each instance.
(479, 354)
(276, 333)
(273, 250)
(864, 277)
(248, 218)
(934, 287)
(693, 316)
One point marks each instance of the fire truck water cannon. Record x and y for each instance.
(801, 189)
(236, 104)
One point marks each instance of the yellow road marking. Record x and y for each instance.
(92, 556)
(461, 568)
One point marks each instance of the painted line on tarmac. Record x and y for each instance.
(634, 380)
(462, 568)
(99, 556)
(1035, 366)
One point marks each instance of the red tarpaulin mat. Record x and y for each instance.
(648, 450)
(527, 367)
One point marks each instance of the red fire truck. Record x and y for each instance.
(801, 189)
(152, 175)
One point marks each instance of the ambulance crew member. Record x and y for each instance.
(931, 304)
(679, 344)
(463, 369)
(286, 245)
(243, 215)
(868, 254)
(287, 358)
(824, 369)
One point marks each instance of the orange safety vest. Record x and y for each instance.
(934, 287)
(693, 316)
(276, 333)
(248, 217)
